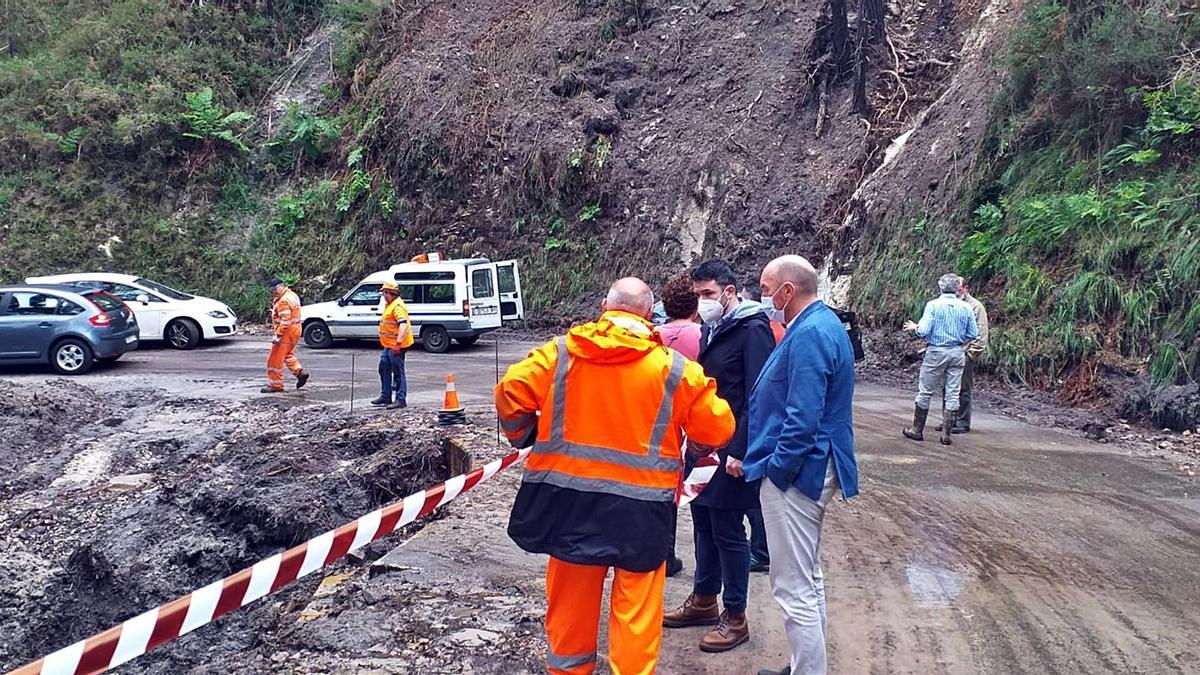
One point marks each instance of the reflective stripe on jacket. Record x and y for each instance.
(285, 314)
(611, 406)
(395, 315)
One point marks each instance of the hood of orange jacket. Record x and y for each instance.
(616, 337)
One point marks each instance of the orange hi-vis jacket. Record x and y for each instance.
(611, 405)
(394, 316)
(285, 315)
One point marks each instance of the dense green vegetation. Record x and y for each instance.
(137, 135)
(133, 139)
(1082, 228)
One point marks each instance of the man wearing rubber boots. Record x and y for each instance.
(605, 408)
(947, 325)
(285, 317)
(395, 336)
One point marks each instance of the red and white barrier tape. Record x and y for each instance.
(142, 633)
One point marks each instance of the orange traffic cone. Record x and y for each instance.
(452, 411)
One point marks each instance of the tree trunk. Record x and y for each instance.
(869, 33)
(872, 12)
(839, 35)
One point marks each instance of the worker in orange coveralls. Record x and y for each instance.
(605, 408)
(285, 316)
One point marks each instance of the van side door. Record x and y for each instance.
(512, 304)
(485, 299)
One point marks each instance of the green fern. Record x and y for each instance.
(207, 120)
(357, 185)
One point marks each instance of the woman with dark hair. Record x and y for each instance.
(681, 332)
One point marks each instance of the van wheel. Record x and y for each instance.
(317, 335)
(183, 334)
(435, 339)
(71, 357)
(467, 341)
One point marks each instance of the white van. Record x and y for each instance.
(459, 299)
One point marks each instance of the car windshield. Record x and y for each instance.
(163, 290)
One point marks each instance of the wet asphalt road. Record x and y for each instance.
(1017, 549)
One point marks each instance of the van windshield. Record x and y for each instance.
(163, 290)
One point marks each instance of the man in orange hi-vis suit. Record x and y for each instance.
(605, 408)
(285, 316)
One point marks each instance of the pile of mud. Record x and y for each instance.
(111, 504)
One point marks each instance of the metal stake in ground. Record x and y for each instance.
(352, 355)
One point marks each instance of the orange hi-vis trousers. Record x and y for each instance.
(574, 594)
(283, 353)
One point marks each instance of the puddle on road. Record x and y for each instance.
(934, 587)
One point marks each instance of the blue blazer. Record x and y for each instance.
(801, 408)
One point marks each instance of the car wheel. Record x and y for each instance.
(182, 334)
(467, 341)
(71, 357)
(317, 335)
(435, 339)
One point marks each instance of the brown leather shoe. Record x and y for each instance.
(731, 631)
(697, 610)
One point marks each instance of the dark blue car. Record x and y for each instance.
(69, 328)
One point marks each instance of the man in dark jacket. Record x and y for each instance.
(734, 344)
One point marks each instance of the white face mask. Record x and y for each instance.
(710, 310)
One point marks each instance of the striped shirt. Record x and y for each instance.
(947, 322)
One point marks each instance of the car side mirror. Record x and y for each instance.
(341, 302)
(143, 298)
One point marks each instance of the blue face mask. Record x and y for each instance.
(770, 310)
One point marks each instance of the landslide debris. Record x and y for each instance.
(113, 503)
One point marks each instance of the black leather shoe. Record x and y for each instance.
(757, 565)
(674, 566)
(381, 401)
(787, 670)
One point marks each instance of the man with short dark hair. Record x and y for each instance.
(734, 343)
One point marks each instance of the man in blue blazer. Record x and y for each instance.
(801, 439)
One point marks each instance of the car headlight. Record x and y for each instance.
(217, 314)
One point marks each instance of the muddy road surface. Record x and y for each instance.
(1018, 549)
(235, 369)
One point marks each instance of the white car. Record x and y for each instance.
(162, 312)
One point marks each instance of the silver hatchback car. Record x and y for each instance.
(69, 328)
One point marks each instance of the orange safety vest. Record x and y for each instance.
(395, 314)
(285, 315)
(611, 405)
